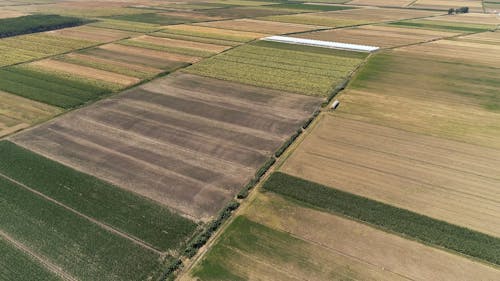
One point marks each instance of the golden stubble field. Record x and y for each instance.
(447, 180)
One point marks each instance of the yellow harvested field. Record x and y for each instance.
(181, 43)
(17, 113)
(378, 35)
(381, 3)
(484, 38)
(451, 181)
(259, 26)
(471, 52)
(87, 72)
(101, 35)
(131, 66)
(149, 53)
(474, 5)
(11, 14)
(354, 251)
(472, 18)
(196, 29)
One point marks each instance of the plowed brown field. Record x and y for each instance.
(185, 141)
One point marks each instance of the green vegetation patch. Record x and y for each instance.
(47, 88)
(140, 217)
(387, 217)
(16, 265)
(36, 23)
(297, 69)
(79, 246)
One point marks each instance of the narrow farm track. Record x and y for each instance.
(104, 226)
(42, 260)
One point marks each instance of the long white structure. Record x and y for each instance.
(320, 43)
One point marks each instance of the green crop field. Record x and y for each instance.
(80, 247)
(16, 265)
(387, 217)
(142, 218)
(35, 23)
(299, 69)
(47, 88)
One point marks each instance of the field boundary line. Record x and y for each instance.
(40, 259)
(129, 237)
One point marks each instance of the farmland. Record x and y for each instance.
(198, 116)
(35, 23)
(300, 69)
(179, 140)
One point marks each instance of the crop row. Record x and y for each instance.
(139, 217)
(16, 265)
(36, 23)
(177, 50)
(392, 219)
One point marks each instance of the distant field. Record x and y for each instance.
(351, 17)
(382, 3)
(432, 92)
(126, 25)
(100, 35)
(283, 240)
(378, 35)
(474, 5)
(305, 70)
(24, 48)
(17, 113)
(213, 33)
(186, 141)
(444, 25)
(35, 23)
(259, 26)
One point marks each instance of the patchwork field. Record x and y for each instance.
(378, 35)
(447, 180)
(17, 113)
(185, 141)
(300, 69)
(24, 48)
(259, 26)
(87, 233)
(474, 5)
(352, 17)
(283, 240)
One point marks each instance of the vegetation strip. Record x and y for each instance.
(36, 23)
(410, 224)
(122, 210)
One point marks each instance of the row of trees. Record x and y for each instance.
(461, 10)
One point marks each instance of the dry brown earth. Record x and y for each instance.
(185, 141)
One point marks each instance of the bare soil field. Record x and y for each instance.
(90, 33)
(474, 5)
(17, 113)
(447, 180)
(383, 3)
(135, 51)
(259, 26)
(185, 141)
(377, 35)
(182, 43)
(298, 243)
(87, 72)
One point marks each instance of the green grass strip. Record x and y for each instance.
(121, 209)
(393, 219)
